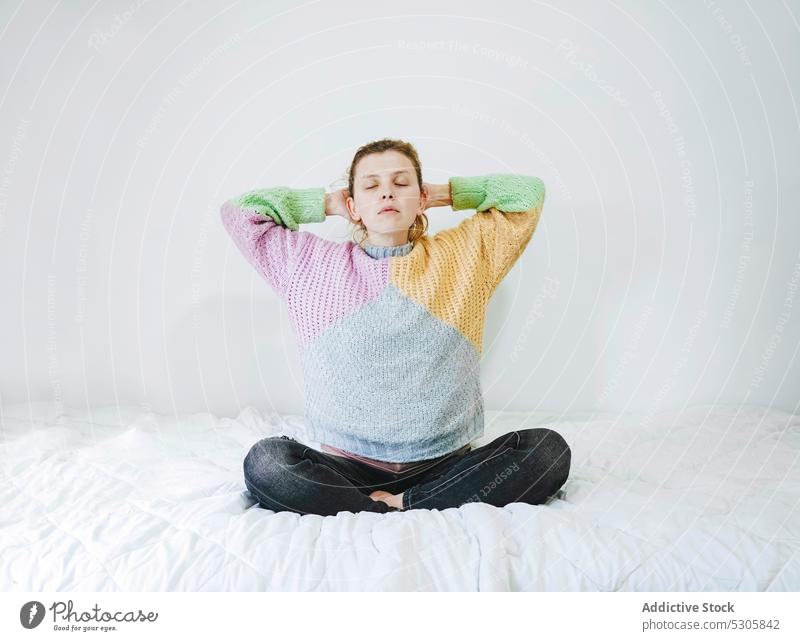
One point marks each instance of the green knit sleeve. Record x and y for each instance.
(286, 206)
(506, 192)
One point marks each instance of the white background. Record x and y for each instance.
(665, 270)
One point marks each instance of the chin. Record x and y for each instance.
(398, 221)
(392, 223)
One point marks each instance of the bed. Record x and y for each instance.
(703, 499)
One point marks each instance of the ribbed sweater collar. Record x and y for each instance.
(376, 251)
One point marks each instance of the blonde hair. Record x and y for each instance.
(420, 224)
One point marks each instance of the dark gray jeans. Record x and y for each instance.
(527, 466)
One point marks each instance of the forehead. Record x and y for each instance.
(385, 163)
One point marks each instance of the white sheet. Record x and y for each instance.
(120, 499)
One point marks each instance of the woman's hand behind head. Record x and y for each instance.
(438, 195)
(335, 204)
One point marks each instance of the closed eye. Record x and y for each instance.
(398, 184)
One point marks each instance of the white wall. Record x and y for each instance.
(665, 270)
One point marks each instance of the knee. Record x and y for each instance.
(266, 456)
(549, 447)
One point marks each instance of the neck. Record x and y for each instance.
(394, 239)
(385, 251)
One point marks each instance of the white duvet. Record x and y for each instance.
(121, 499)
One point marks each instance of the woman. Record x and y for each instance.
(391, 334)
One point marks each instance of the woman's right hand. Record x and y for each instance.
(335, 204)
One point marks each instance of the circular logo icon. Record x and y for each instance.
(31, 614)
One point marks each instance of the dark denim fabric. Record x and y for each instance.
(527, 466)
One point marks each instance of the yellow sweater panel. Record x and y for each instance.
(455, 272)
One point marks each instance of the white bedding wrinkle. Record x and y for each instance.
(119, 499)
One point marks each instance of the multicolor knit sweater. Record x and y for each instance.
(390, 345)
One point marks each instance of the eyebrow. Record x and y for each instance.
(402, 171)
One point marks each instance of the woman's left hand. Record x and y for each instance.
(438, 195)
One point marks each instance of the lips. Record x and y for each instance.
(388, 210)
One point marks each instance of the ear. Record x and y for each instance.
(350, 203)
